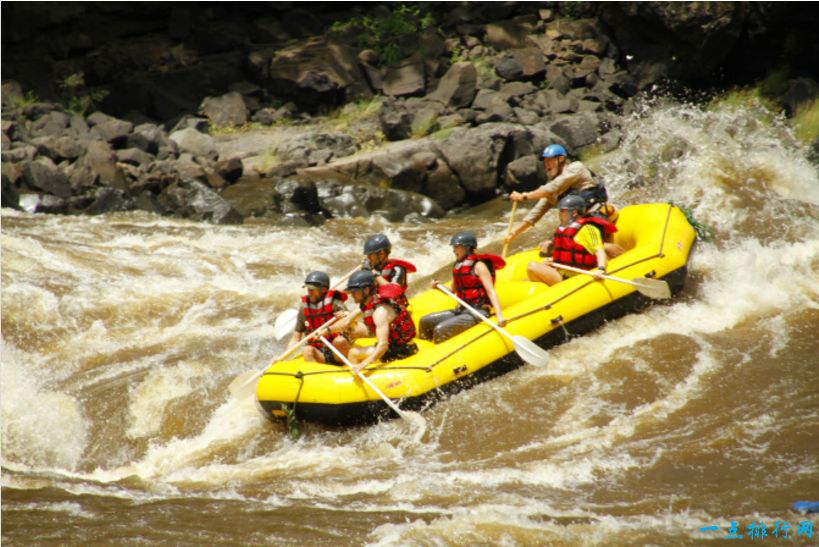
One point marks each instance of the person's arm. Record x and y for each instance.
(482, 271)
(344, 323)
(590, 238)
(382, 317)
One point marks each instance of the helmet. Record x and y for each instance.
(378, 242)
(572, 202)
(360, 280)
(553, 151)
(467, 239)
(317, 278)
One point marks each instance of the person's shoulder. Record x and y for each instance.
(577, 166)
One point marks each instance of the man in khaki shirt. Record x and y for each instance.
(563, 175)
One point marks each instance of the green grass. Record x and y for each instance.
(806, 122)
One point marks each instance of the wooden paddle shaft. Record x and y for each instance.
(509, 230)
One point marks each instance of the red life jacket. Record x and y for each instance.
(387, 270)
(567, 251)
(316, 314)
(468, 285)
(402, 329)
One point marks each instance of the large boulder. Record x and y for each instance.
(315, 72)
(521, 64)
(228, 110)
(193, 199)
(404, 80)
(42, 174)
(458, 86)
(192, 141)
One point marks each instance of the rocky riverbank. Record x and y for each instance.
(226, 112)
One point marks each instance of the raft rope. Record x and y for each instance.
(704, 231)
(290, 411)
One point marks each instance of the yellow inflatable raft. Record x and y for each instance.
(659, 241)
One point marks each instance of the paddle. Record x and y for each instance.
(526, 349)
(239, 386)
(509, 230)
(286, 321)
(366, 380)
(653, 288)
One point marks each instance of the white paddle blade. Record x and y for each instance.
(653, 288)
(285, 323)
(530, 352)
(244, 384)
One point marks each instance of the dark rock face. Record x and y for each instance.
(466, 104)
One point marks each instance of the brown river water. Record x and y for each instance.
(122, 332)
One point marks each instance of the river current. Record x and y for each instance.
(121, 333)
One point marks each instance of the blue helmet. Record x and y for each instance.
(553, 151)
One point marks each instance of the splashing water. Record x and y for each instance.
(122, 332)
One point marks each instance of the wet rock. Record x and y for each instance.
(577, 131)
(58, 148)
(458, 86)
(100, 159)
(111, 130)
(50, 124)
(133, 156)
(443, 186)
(228, 110)
(43, 203)
(146, 137)
(43, 174)
(524, 174)
(192, 141)
(106, 200)
(10, 197)
(193, 199)
(521, 64)
(405, 80)
(473, 157)
(298, 195)
(508, 34)
(395, 120)
(230, 169)
(364, 200)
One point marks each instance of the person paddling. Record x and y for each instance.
(377, 259)
(382, 316)
(318, 306)
(566, 177)
(473, 280)
(578, 242)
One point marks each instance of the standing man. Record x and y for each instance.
(578, 242)
(565, 177)
(318, 306)
(473, 280)
(383, 316)
(377, 250)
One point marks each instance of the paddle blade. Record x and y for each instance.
(244, 384)
(285, 323)
(653, 288)
(530, 352)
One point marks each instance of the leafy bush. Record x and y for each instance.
(386, 34)
(76, 97)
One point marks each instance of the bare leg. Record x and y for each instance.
(358, 354)
(342, 345)
(312, 354)
(538, 271)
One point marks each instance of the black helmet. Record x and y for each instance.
(467, 239)
(572, 202)
(318, 278)
(360, 280)
(378, 242)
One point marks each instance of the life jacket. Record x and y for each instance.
(318, 313)
(387, 270)
(566, 250)
(466, 282)
(402, 329)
